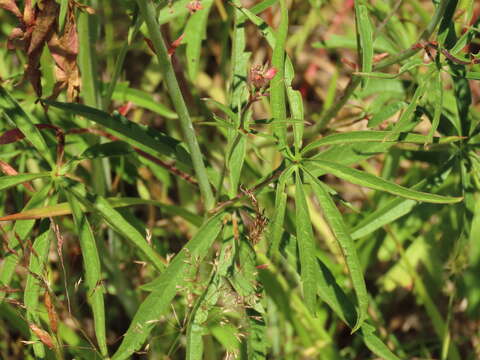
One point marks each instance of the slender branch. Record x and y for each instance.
(405, 54)
(276, 174)
(148, 13)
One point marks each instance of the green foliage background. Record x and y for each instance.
(189, 204)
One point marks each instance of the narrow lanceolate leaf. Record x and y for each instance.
(142, 99)
(34, 284)
(142, 137)
(376, 136)
(195, 33)
(364, 36)
(306, 246)
(22, 229)
(296, 105)
(128, 231)
(437, 99)
(375, 344)
(93, 271)
(237, 142)
(13, 111)
(276, 225)
(374, 182)
(277, 85)
(118, 223)
(340, 230)
(9, 181)
(166, 286)
(64, 209)
(405, 118)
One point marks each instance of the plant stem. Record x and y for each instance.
(148, 13)
(355, 81)
(273, 176)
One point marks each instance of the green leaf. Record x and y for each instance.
(404, 120)
(368, 180)
(295, 102)
(306, 246)
(13, 111)
(142, 99)
(340, 230)
(385, 113)
(195, 33)
(93, 271)
(22, 229)
(376, 345)
(397, 207)
(13, 180)
(436, 93)
(276, 225)
(365, 37)
(62, 15)
(118, 223)
(277, 85)
(166, 286)
(108, 149)
(36, 271)
(142, 137)
(352, 137)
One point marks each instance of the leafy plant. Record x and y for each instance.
(179, 149)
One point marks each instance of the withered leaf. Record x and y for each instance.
(10, 5)
(42, 335)
(44, 26)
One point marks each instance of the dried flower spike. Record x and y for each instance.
(194, 5)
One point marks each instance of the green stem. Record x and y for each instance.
(148, 13)
(355, 81)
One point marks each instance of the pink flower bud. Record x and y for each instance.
(270, 73)
(194, 5)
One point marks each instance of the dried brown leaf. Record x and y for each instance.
(44, 336)
(10, 5)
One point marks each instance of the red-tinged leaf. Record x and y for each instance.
(11, 6)
(14, 135)
(125, 109)
(175, 44)
(7, 169)
(44, 336)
